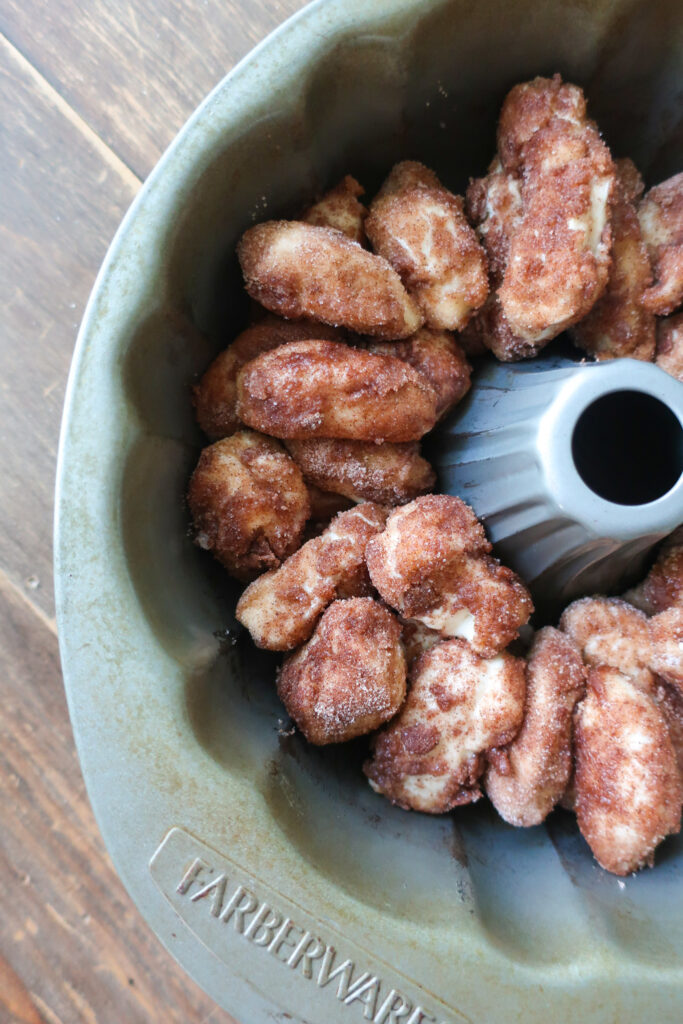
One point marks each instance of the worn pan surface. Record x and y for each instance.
(262, 864)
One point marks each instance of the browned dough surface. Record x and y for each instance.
(619, 325)
(390, 474)
(421, 229)
(301, 270)
(249, 503)
(663, 585)
(432, 564)
(340, 209)
(325, 389)
(431, 756)
(628, 789)
(281, 608)
(350, 677)
(439, 357)
(527, 778)
(661, 222)
(530, 106)
(666, 636)
(669, 355)
(560, 253)
(609, 631)
(215, 396)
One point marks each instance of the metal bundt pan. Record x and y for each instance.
(193, 785)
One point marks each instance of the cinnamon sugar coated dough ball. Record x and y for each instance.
(543, 215)
(326, 389)
(669, 355)
(560, 253)
(301, 270)
(618, 325)
(609, 631)
(281, 608)
(530, 106)
(421, 229)
(390, 474)
(484, 602)
(350, 677)
(431, 564)
(661, 222)
(663, 586)
(421, 542)
(393, 612)
(340, 209)
(431, 756)
(628, 789)
(666, 635)
(527, 778)
(249, 503)
(215, 396)
(439, 357)
(494, 205)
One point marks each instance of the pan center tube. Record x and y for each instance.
(627, 447)
(576, 470)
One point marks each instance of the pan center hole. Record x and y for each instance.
(628, 448)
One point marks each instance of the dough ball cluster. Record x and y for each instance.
(394, 618)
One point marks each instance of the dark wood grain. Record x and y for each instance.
(63, 194)
(73, 948)
(90, 95)
(16, 1003)
(136, 70)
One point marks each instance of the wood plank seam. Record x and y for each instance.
(54, 97)
(9, 583)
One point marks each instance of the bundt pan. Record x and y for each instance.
(268, 868)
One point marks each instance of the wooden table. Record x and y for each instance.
(90, 96)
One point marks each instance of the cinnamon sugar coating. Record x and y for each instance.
(494, 206)
(325, 389)
(215, 396)
(661, 222)
(669, 355)
(669, 700)
(666, 636)
(528, 108)
(560, 253)
(302, 270)
(350, 678)
(527, 778)
(619, 325)
(421, 229)
(628, 789)
(281, 608)
(432, 564)
(431, 756)
(249, 503)
(609, 631)
(663, 585)
(489, 331)
(340, 209)
(390, 474)
(439, 357)
(420, 544)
